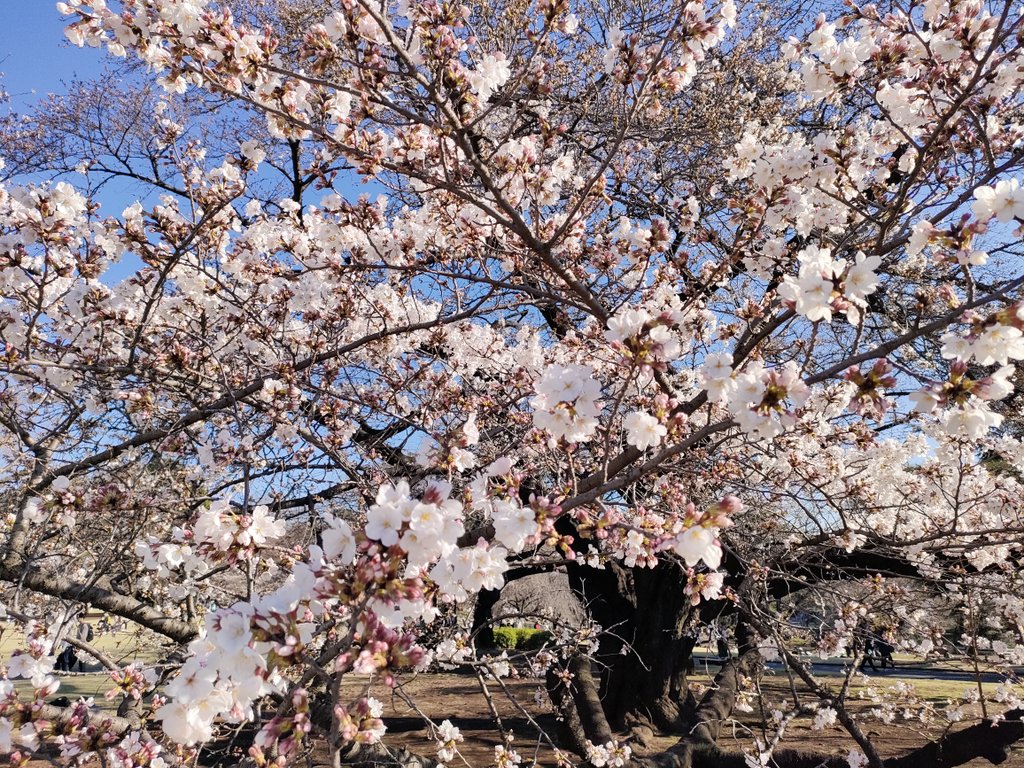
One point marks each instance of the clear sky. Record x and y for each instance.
(35, 55)
(36, 59)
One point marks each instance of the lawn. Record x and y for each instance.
(121, 648)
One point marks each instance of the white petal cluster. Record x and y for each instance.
(514, 524)
(643, 430)
(1004, 201)
(995, 345)
(567, 404)
(221, 527)
(221, 680)
(423, 529)
(609, 755)
(468, 570)
(699, 543)
(490, 74)
(762, 400)
(823, 283)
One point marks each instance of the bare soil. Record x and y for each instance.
(521, 707)
(460, 699)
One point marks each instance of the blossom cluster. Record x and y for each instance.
(764, 401)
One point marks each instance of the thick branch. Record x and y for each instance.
(986, 739)
(125, 606)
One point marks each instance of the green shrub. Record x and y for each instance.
(521, 638)
(534, 639)
(505, 637)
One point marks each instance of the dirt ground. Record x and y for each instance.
(521, 706)
(460, 699)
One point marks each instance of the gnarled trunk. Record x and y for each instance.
(646, 647)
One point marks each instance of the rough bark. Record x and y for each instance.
(578, 704)
(483, 632)
(987, 739)
(718, 704)
(382, 756)
(697, 747)
(644, 651)
(74, 715)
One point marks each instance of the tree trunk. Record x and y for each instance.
(575, 697)
(645, 649)
(483, 630)
(644, 652)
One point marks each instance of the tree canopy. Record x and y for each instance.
(709, 306)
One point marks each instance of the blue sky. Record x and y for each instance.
(35, 55)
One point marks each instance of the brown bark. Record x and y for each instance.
(483, 632)
(697, 747)
(125, 606)
(645, 651)
(382, 756)
(578, 704)
(987, 739)
(64, 716)
(717, 704)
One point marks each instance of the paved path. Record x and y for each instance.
(906, 670)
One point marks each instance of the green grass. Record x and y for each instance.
(935, 691)
(122, 648)
(75, 687)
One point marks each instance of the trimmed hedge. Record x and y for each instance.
(522, 638)
(505, 637)
(535, 640)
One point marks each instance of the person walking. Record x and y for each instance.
(61, 665)
(85, 634)
(885, 649)
(869, 649)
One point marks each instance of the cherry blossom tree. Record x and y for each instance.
(705, 304)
